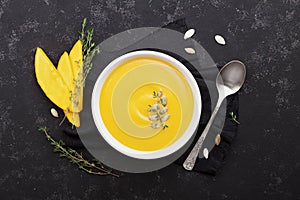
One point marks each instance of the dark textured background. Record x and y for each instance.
(265, 159)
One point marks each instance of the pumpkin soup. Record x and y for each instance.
(146, 104)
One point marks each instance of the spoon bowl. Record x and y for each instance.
(231, 77)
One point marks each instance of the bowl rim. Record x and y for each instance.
(180, 142)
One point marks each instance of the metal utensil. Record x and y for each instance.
(229, 80)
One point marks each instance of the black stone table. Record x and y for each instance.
(264, 162)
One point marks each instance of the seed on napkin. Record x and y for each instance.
(190, 50)
(218, 139)
(205, 153)
(189, 34)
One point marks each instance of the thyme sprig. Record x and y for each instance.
(86, 37)
(233, 117)
(87, 62)
(88, 48)
(88, 52)
(91, 167)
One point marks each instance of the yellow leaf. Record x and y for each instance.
(73, 118)
(65, 69)
(76, 59)
(50, 80)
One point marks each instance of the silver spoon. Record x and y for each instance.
(229, 80)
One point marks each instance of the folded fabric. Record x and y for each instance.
(217, 155)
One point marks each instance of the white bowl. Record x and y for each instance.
(180, 142)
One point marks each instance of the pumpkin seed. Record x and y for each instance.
(205, 153)
(155, 125)
(220, 40)
(159, 93)
(153, 117)
(189, 34)
(54, 112)
(218, 139)
(165, 118)
(190, 50)
(164, 100)
(163, 110)
(154, 108)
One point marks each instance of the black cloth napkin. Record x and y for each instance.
(217, 155)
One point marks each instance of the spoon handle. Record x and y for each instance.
(190, 161)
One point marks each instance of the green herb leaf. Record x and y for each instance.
(75, 157)
(233, 117)
(154, 94)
